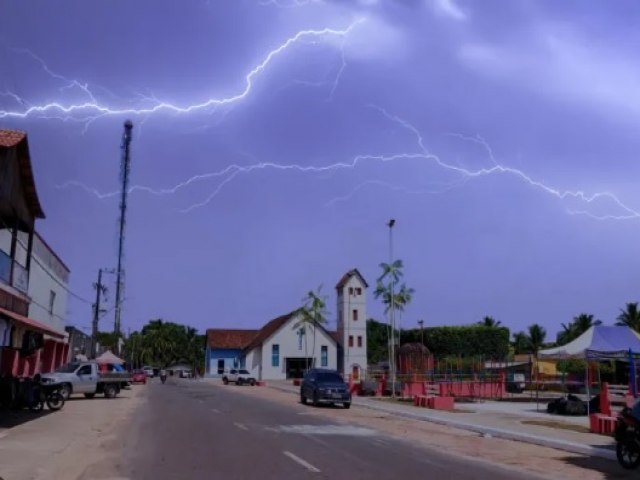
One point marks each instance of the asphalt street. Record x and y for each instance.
(192, 430)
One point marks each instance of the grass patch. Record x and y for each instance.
(560, 425)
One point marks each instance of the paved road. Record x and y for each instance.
(192, 430)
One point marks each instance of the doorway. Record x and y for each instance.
(295, 367)
(220, 366)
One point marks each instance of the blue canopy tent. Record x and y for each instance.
(602, 343)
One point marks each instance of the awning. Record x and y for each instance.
(31, 324)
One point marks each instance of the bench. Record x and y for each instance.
(613, 398)
(432, 399)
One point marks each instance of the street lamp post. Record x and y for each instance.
(392, 359)
(421, 323)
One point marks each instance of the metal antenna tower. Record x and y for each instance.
(125, 166)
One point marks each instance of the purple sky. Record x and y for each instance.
(273, 140)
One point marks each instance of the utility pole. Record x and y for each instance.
(96, 314)
(124, 174)
(392, 359)
(421, 323)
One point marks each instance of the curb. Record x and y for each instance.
(564, 445)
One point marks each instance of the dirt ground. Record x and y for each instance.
(542, 461)
(62, 445)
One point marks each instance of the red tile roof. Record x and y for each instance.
(11, 138)
(17, 139)
(345, 278)
(229, 338)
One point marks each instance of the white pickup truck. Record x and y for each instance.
(239, 377)
(85, 378)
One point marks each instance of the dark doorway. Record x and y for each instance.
(296, 367)
(221, 366)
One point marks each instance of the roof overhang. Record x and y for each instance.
(31, 324)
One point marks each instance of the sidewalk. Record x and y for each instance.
(508, 420)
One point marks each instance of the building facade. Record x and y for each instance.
(285, 347)
(48, 286)
(22, 338)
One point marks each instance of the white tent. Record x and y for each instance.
(109, 357)
(599, 343)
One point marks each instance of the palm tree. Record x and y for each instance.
(630, 316)
(401, 300)
(488, 321)
(520, 343)
(391, 270)
(536, 337)
(580, 324)
(312, 314)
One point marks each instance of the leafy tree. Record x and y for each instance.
(377, 341)
(164, 344)
(630, 316)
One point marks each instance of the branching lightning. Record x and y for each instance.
(464, 175)
(92, 109)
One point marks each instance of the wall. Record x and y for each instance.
(288, 341)
(229, 355)
(44, 266)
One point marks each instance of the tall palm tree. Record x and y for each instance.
(401, 300)
(312, 314)
(630, 316)
(392, 271)
(536, 337)
(489, 321)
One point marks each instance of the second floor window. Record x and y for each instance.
(324, 356)
(275, 355)
(355, 314)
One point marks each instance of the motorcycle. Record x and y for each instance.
(163, 378)
(36, 394)
(627, 436)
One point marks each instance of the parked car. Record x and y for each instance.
(148, 370)
(138, 376)
(324, 386)
(239, 377)
(185, 374)
(85, 377)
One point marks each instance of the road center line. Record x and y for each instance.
(302, 462)
(241, 426)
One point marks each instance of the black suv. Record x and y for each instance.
(322, 385)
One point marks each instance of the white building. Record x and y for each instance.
(48, 284)
(283, 348)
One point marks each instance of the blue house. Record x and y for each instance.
(224, 349)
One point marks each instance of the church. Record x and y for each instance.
(282, 349)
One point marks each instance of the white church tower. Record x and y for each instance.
(352, 324)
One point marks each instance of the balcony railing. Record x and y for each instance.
(20, 278)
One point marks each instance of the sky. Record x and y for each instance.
(274, 139)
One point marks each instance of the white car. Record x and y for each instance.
(239, 377)
(148, 371)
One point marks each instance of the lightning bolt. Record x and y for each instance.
(291, 4)
(92, 109)
(464, 175)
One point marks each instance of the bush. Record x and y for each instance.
(464, 341)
